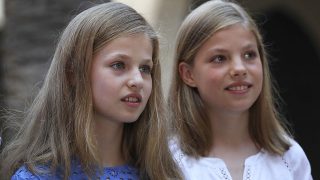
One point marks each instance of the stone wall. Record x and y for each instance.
(29, 35)
(27, 44)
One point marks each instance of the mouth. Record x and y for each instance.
(238, 88)
(132, 98)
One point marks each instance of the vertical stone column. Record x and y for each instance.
(2, 18)
(29, 36)
(165, 17)
(2, 15)
(28, 40)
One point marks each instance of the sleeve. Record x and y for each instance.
(298, 162)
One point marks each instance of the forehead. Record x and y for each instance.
(124, 41)
(231, 36)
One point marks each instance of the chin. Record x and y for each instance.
(129, 120)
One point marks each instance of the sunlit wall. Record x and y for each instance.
(2, 17)
(165, 17)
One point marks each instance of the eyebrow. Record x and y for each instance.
(218, 49)
(117, 55)
(250, 45)
(221, 49)
(124, 56)
(149, 61)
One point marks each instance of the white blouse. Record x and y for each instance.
(293, 165)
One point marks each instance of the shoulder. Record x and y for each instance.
(295, 154)
(297, 161)
(176, 151)
(24, 173)
(111, 173)
(191, 167)
(120, 172)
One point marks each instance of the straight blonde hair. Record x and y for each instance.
(58, 126)
(190, 122)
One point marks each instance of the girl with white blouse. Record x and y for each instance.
(226, 125)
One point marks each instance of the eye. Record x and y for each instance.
(218, 59)
(118, 65)
(145, 69)
(250, 55)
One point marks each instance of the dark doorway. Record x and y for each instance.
(295, 64)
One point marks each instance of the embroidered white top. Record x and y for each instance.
(293, 165)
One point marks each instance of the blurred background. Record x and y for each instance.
(291, 28)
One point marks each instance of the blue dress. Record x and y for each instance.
(124, 172)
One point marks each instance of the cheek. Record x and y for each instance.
(148, 88)
(97, 83)
(261, 80)
(258, 76)
(102, 85)
(209, 83)
(96, 77)
(259, 72)
(210, 78)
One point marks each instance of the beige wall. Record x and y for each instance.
(166, 16)
(2, 16)
(168, 21)
(148, 8)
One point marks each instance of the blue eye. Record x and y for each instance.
(218, 59)
(118, 65)
(145, 69)
(250, 55)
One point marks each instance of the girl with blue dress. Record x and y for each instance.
(99, 112)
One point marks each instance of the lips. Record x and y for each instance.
(239, 86)
(132, 98)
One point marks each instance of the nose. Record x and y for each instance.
(238, 69)
(135, 80)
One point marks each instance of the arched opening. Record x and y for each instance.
(295, 65)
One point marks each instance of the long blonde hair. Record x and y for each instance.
(59, 124)
(191, 123)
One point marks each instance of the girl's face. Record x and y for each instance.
(121, 78)
(227, 70)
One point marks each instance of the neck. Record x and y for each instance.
(231, 140)
(109, 142)
(230, 129)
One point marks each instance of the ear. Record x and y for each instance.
(185, 71)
